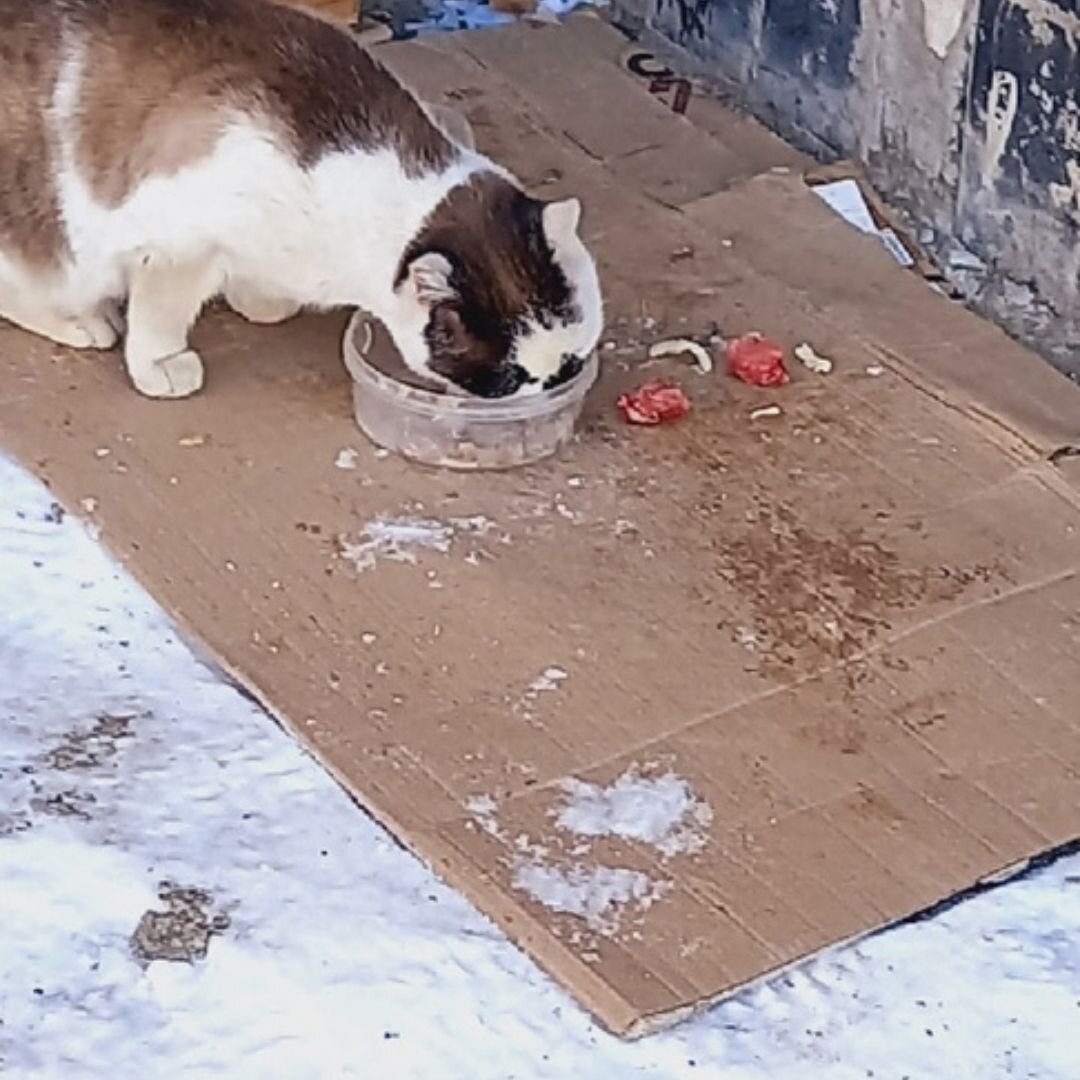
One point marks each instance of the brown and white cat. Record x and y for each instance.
(157, 153)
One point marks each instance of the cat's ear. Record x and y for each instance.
(561, 220)
(429, 278)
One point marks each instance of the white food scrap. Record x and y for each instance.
(812, 360)
(678, 346)
(188, 442)
(546, 681)
(766, 411)
(346, 458)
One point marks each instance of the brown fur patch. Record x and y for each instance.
(30, 225)
(493, 235)
(503, 273)
(162, 78)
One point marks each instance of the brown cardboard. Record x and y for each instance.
(853, 629)
(343, 12)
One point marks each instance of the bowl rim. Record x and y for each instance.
(460, 407)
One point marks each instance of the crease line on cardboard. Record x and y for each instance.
(943, 810)
(1042, 756)
(864, 654)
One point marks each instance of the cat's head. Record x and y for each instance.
(497, 295)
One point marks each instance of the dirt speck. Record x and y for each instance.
(87, 749)
(69, 804)
(181, 933)
(10, 824)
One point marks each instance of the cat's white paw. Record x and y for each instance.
(176, 376)
(259, 309)
(84, 332)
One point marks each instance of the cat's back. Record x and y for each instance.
(128, 89)
(29, 58)
(159, 80)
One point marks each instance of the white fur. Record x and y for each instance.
(248, 222)
(541, 350)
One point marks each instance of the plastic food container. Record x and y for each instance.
(434, 427)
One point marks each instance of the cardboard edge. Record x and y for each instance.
(450, 865)
(655, 1023)
(595, 995)
(614, 1012)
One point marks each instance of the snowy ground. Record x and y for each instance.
(124, 764)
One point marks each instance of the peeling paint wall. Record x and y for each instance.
(966, 114)
(1019, 198)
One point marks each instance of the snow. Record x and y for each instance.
(397, 539)
(657, 810)
(598, 894)
(401, 538)
(125, 763)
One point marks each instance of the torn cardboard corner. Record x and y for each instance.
(686, 705)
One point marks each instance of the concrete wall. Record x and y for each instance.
(965, 112)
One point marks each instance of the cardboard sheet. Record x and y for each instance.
(688, 704)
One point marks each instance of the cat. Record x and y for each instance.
(156, 154)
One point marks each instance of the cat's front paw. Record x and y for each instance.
(177, 376)
(86, 332)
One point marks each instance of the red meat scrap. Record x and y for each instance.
(654, 402)
(756, 360)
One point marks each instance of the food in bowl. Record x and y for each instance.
(425, 423)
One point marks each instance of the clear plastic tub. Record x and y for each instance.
(451, 431)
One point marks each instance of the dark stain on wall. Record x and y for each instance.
(1001, 200)
(813, 37)
(792, 61)
(702, 19)
(1030, 72)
